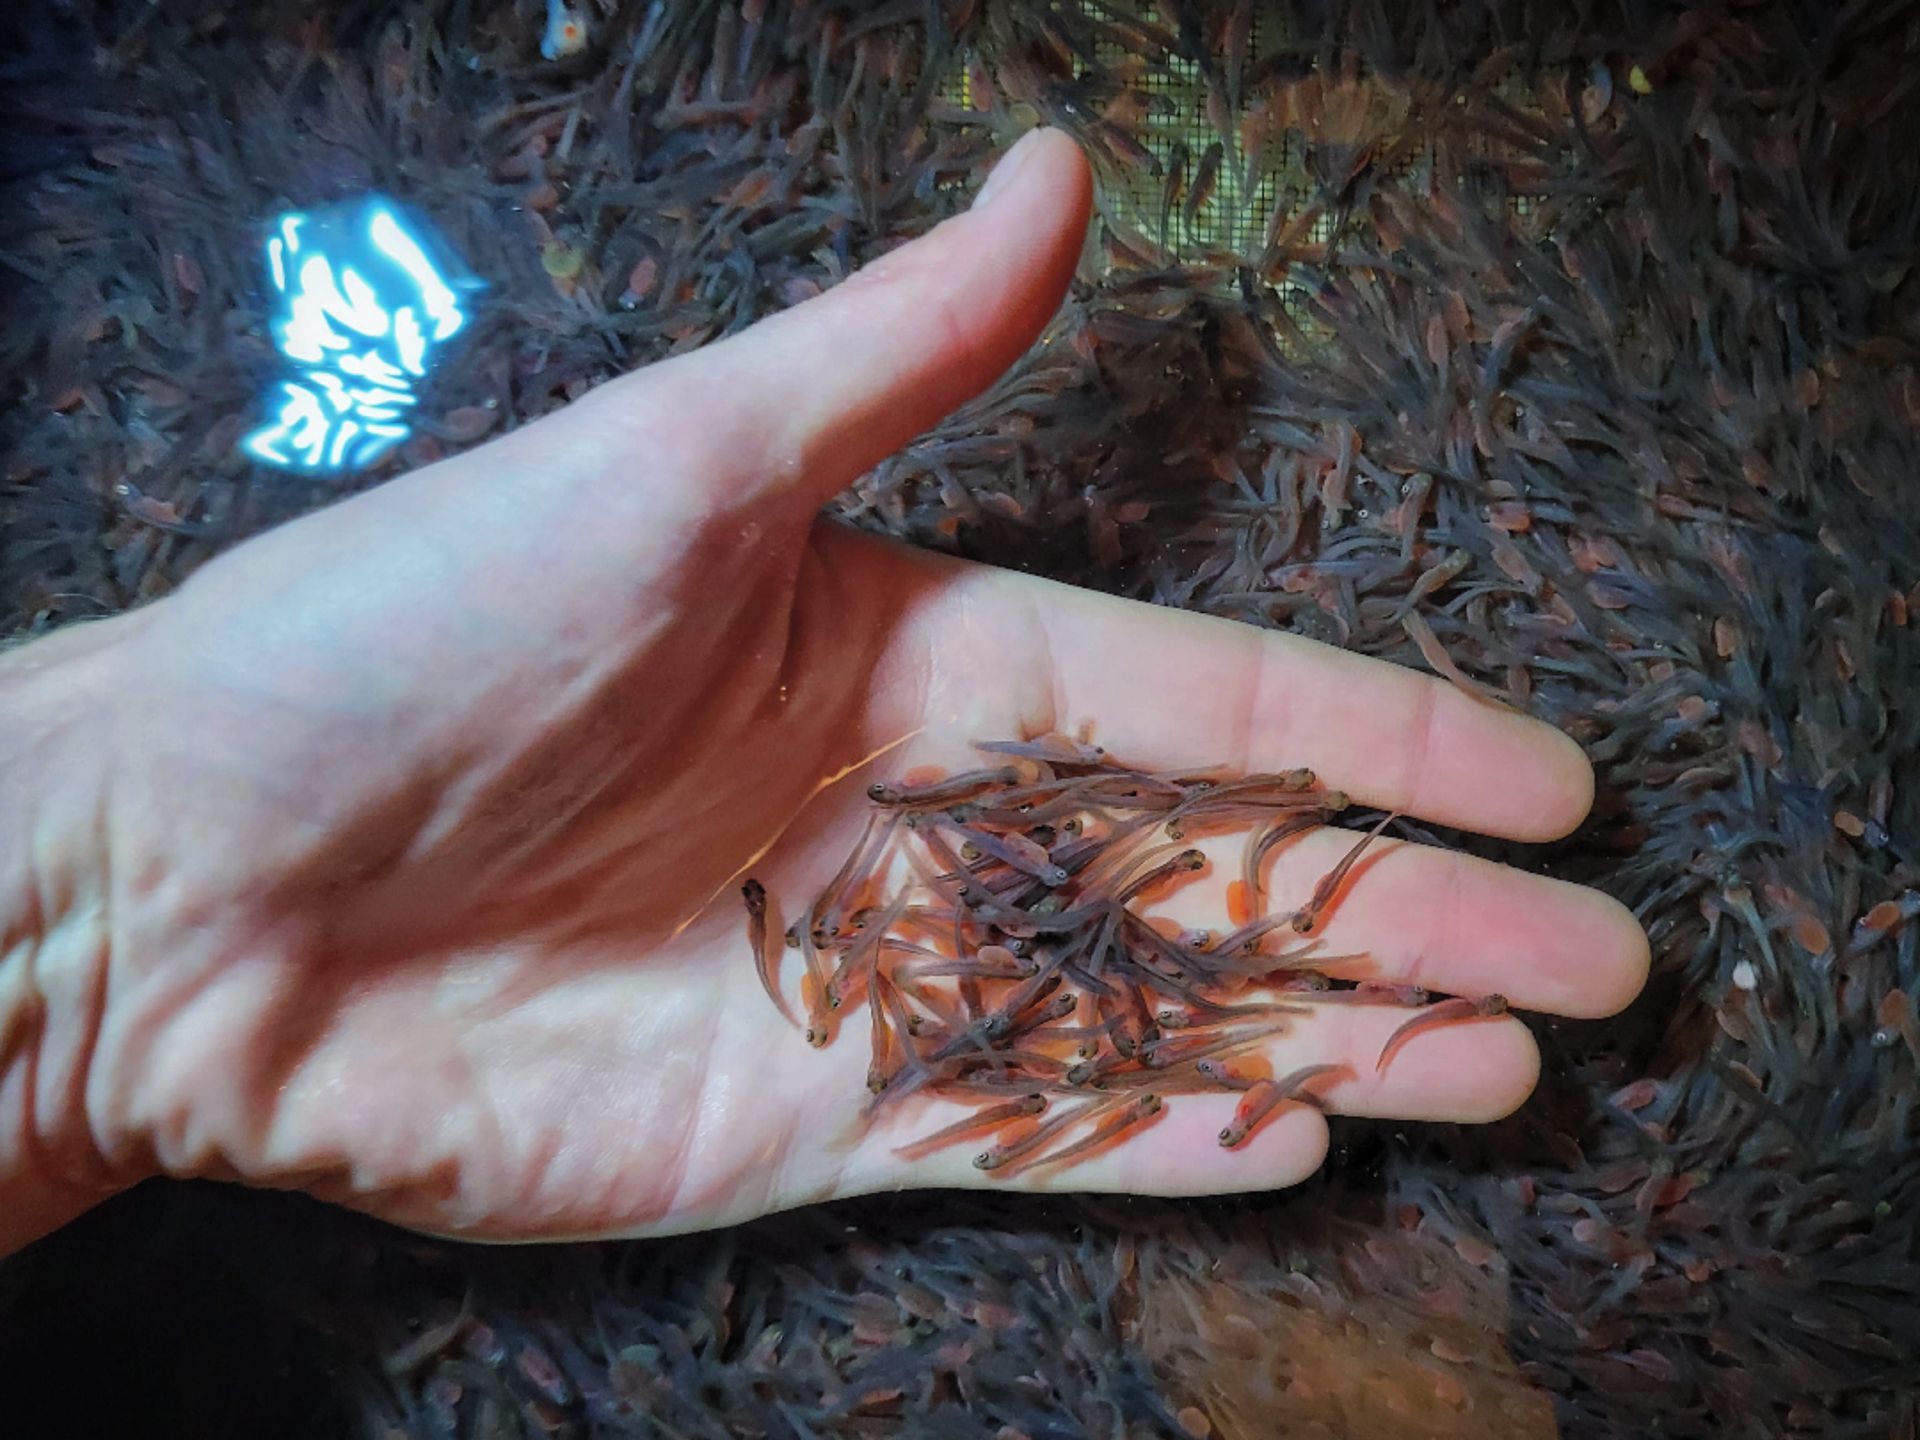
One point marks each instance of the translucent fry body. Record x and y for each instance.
(1446, 1012)
(1263, 1097)
(766, 958)
(1014, 967)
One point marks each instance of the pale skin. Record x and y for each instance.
(396, 857)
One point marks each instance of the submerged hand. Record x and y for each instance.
(364, 863)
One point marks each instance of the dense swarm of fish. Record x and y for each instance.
(1013, 966)
(1579, 364)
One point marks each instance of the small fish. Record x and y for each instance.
(1445, 1013)
(863, 954)
(879, 1038)
(1261, 843)
(1435, 576)
(1005, 1153)
(1895, 1021)
(813, 987)
(766, 958)
(1598, 94)
(1376, 992)
(1263, 1097)
(1217, 1072)
(1185, 863)
(1174, 188)
(1256, 130)
(1165, 1050)
(940, 792)
(1239, 42)
(1015, 851)
(1206, 176)
(1054, 749)
(991, 1118)
(1435, 654)
(827, 913)
(566, 32)
(1308, 915)
(1135, 1112)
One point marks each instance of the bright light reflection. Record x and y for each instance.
(363, 304)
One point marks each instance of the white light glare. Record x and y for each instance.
(363, 306)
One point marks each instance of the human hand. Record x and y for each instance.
(364, 863)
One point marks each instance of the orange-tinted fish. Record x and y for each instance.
(1134, 1113)
(1263, 1097)
(990, 1118)
(1008, 1151)
(1447, 1012)
(1308, 915)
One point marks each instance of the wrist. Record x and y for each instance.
(57, 704)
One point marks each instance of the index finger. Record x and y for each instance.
(1169, 688)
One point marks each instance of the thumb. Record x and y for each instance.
(805, 401)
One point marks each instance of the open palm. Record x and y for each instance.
(424, 834)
